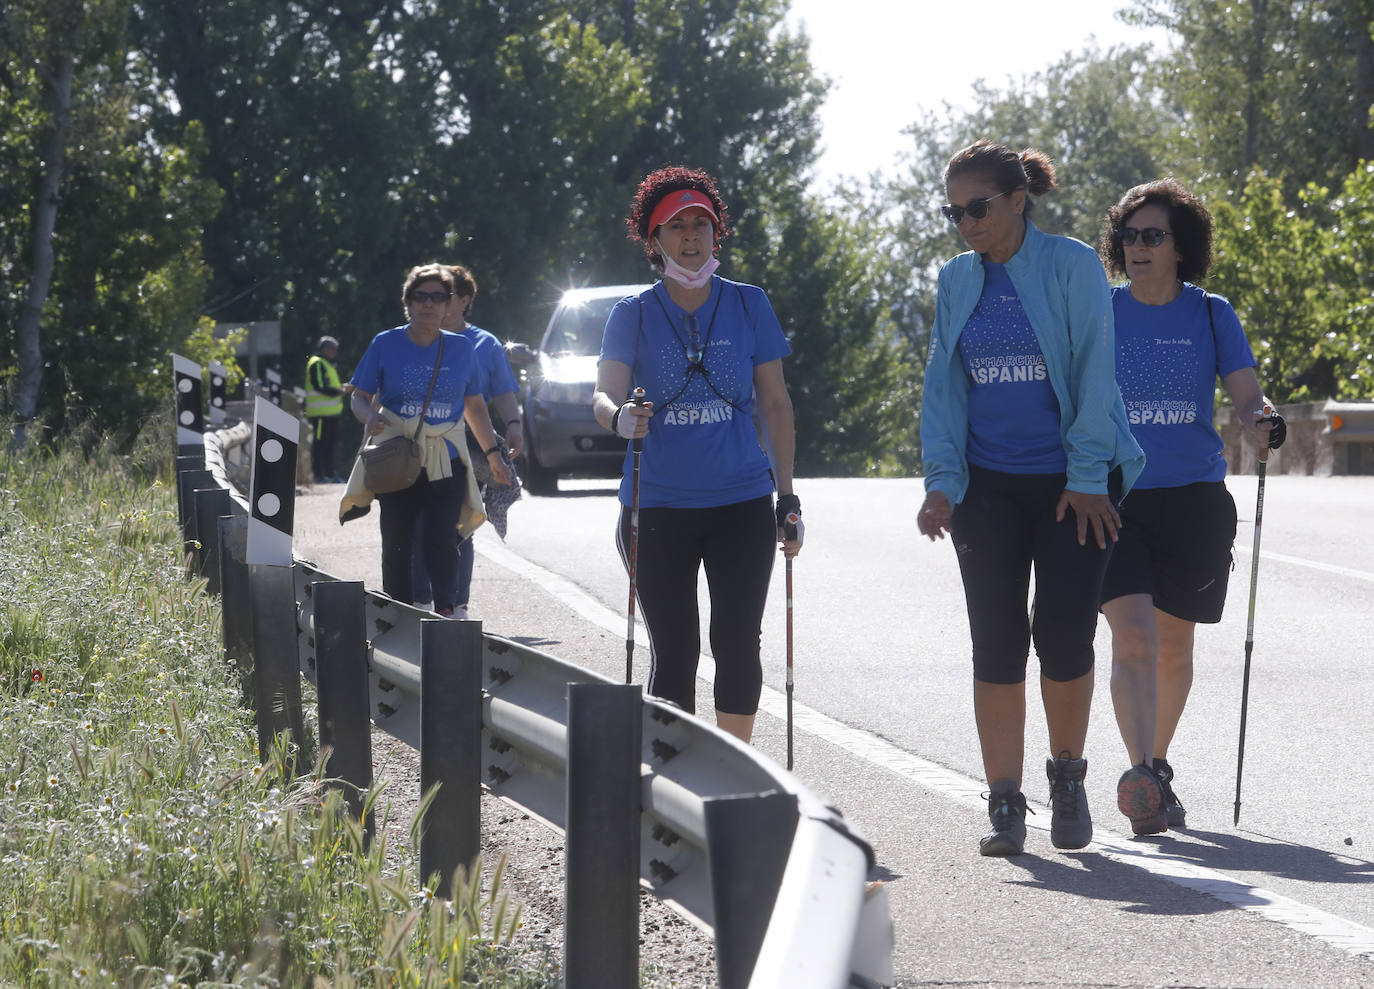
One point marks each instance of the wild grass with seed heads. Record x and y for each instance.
(141, 842)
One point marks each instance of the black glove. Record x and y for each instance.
(1277, 432)
(788, 504)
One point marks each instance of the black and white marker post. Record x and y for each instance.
(274, 386)
(276, 670)
(218, 376)
(190, 414)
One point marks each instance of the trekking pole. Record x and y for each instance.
(1250, 621)
(638, 445)
(789, 530)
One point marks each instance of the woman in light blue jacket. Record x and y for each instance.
(1027, 453)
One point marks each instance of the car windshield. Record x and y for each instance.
(579, 329)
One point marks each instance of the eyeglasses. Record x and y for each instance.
(693, 339)
(976, 208)
(1150, 236)
(438, 298)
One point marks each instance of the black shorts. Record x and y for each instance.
(1175, 545)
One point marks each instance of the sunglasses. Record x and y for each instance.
(1150, 236)
(976, 208)
(438, 298)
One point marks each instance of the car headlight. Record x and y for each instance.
(565, 393)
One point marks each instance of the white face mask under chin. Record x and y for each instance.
(684, 276)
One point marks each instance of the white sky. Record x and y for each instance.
(888, 59)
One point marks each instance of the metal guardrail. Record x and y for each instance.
(714, 812)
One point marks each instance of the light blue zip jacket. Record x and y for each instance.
(1064, 293)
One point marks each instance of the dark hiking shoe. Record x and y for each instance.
(1007, 811)
(1173, 807)
(1071, 826)
(1140, 797)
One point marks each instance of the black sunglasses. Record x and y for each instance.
(976, 208)
(434, 297)
(1150, 236)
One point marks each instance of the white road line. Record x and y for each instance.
(1348, 936)
(1298, 561)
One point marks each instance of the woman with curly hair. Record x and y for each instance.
(1027, 454)
(708, 353)
(1173, 557)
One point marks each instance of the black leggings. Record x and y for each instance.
(436, 506)
(736, 544)
(1003, 527)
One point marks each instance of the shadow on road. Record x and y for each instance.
(1233, 852)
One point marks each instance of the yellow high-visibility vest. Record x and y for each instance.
(318, 403)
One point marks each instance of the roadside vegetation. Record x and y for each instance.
(141, 842)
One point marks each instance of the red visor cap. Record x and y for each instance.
(675, 202)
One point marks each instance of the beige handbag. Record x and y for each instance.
(395, 464)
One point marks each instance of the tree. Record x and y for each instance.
(1281, 85)
(122, 284)
(45, 40)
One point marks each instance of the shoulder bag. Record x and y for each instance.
(395, 464)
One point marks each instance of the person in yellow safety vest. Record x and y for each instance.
(323, 406)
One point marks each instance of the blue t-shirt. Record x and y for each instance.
(1013, 413)
(397, 372)
(1167, 364)
(702, 449)
(493, 369)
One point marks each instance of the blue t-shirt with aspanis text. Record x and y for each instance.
(397, 371)
(1167, 363)
(702, 449)
(1013, 412)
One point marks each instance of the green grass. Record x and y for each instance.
(141, 842)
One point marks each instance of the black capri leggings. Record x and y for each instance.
(1003, 527)
(736, 544)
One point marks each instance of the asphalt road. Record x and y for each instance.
(885, 731)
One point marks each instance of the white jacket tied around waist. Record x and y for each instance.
(434, 457)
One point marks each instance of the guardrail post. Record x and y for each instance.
(187, 483)
(276, 667)
(185, 463)
(210, 504)
(748, 839)
(601, 896)
(450, 746)
(236, 605)
(341, 676)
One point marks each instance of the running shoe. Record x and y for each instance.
(1007, 811)
(1140, 797)
(1173, 807)
(1071, 825)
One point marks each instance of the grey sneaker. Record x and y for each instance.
(1173, 807)
(1140, 797)
(1071, 826)
(1007, 811)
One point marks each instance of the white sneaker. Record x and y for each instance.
(458, 614)
(424, 605)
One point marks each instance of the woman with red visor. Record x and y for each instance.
(708, 353)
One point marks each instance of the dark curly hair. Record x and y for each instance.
(1190, 220)
(660, 183)
(1005, 168)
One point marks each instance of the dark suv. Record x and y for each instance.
(561, 434)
